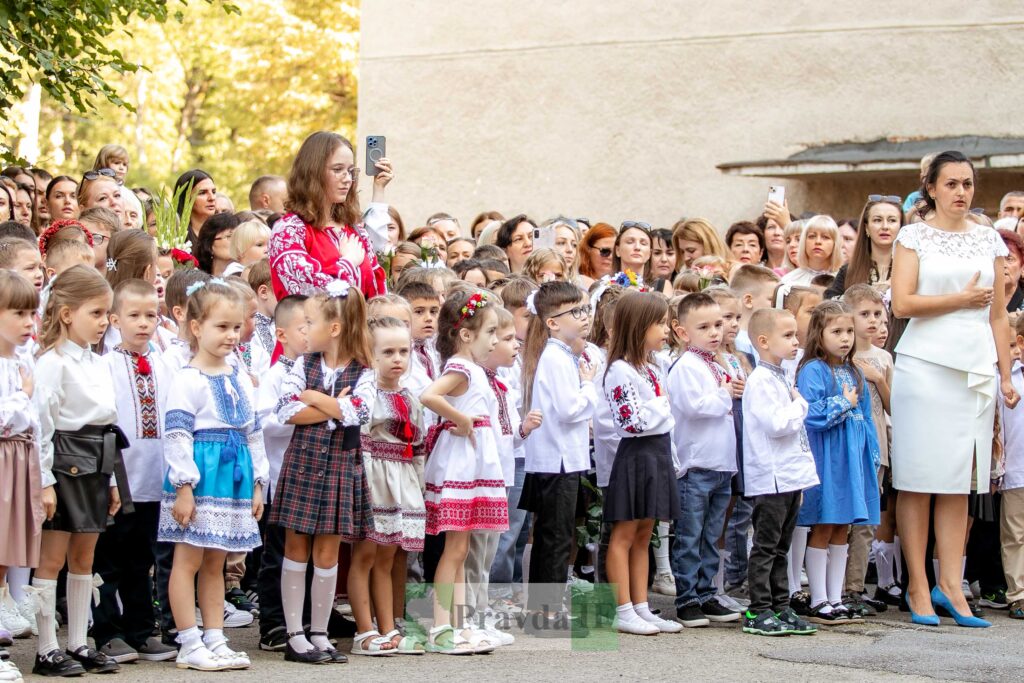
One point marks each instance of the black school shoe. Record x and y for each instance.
(800, 602)
(829, 615)
(716, 611)
(94, 661)
(57, 664)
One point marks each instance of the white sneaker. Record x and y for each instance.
(238, 660)
(233, 617)
(732, 604)
(198, 657)
(11, 618)
(664, 625)
(637, 627)
(664, 584)
(9, 672)
(27, 609)
(497, 635)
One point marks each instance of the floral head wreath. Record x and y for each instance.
(625, 278)
(337, 289)
(469, 309)
(57, 226)
(183, 260)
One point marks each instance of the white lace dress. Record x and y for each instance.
(944, 385)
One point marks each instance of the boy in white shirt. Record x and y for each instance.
(124, 553)
(258, 277)
(705, 437)
(778, 465)
(290, 332)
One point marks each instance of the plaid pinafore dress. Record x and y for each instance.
(322, 487)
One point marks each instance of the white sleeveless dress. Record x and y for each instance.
(944, 384)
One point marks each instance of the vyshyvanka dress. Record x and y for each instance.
(20, 479)
(393, 454)
(845, 446)
(944, 386)
(213, 442)
(465, 485)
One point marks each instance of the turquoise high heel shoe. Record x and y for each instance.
(924, 620)
(939, 599)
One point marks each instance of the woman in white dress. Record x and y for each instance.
(947, 278)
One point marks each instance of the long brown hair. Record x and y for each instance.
(450, 319)
(306, 182)
(350, 311)
(549, 297)
(824, 313)
(71, 289)
(859, 269)
(129, 254)
(634, 315)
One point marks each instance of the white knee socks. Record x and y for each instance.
(885, 555)
(293, 594)
(322, 598)
(661, 563)
(797, 548)
(17, 579)
(817, 566)
(79, 597)
(836, 572)
(46, 617)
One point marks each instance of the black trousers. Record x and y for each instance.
(552, 499)
(124, 557)
(984, 552)
(774, 519)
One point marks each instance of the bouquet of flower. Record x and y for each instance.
(172, 227)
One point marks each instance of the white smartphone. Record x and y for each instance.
(777, 194)
(544, 238)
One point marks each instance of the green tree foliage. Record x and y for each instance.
(231, 93)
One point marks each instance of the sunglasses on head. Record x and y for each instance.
(626, 225)
(885, 198)
(102, 173)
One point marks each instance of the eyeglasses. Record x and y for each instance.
(102, 173)
(353, 172)
(626, 225)
(885, 198)
(226, 235)
(580, 313)
(605, 252)
(99, 238)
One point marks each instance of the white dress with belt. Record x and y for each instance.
(944, 385)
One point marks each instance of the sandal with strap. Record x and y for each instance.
(375, 641)
(481, 642)
(236, 660)
(336, 656)
(443, 640)
(408, 645)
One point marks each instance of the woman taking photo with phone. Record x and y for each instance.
(322, 238)
(948, 279)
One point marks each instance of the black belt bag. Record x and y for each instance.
(94, 449)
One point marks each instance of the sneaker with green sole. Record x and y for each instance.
(763, 624)
(797, 626)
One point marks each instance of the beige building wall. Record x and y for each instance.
(623, 110)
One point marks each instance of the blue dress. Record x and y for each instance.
(213, 442)
(845, 447)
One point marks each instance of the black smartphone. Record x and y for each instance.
(376, 149)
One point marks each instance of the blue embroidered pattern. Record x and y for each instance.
(179, 419)
(232, 406)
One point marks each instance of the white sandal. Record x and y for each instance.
(200, 658)
(238, 660)
(408, 645)
(376, 644)
(481, 642)
(445, 640)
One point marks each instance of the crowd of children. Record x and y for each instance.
(171, 439)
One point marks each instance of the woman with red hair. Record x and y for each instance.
(595, 253)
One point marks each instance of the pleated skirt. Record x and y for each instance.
(642, 484)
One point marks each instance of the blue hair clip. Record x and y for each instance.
(194, 287)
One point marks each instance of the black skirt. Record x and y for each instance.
(83, 464)
(642, 484)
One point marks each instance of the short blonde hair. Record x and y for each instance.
(246, 235)
(828, 224)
